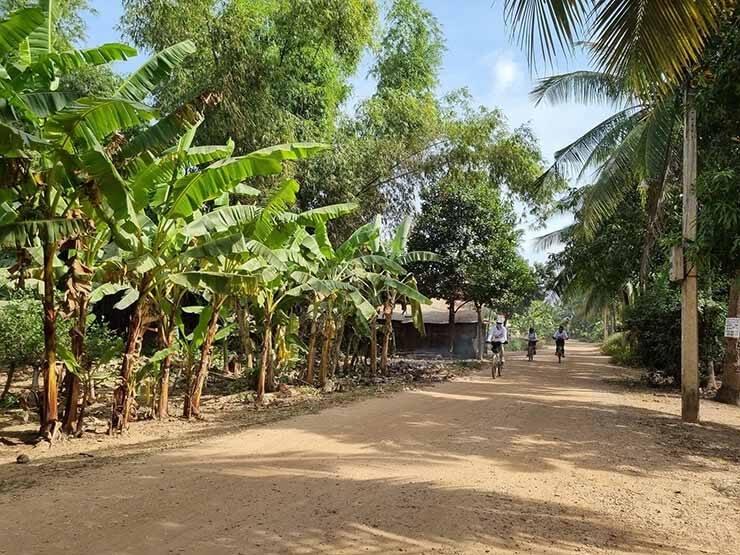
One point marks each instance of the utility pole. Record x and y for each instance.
(689, 307)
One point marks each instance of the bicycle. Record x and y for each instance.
(531, 350)
(560, 349)
(497, 361)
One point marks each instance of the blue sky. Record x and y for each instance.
(481, 55)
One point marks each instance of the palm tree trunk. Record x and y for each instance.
(730, 391)
(191, 406)
(122, 395)
(605, 320)
(49, 414)
(356, 354)
(348, 354)
(81, 413)
(387, 332)
(72, 381)
(265, 357)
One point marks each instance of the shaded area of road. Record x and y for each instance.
(548, 459)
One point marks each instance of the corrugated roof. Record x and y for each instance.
(438, 313)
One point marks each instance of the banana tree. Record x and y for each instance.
(166, 194)
(244, 250)
(398, 282)
(45, 134)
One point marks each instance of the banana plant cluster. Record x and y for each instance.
(107, 196)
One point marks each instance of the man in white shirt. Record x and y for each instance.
(497, 337)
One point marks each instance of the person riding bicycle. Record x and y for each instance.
(560, 337)
(532, 340)
(498, 337)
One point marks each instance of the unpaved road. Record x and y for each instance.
(546, 460)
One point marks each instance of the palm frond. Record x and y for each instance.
(616, 178)
(545, 27)
(556, 237)
(583, 87)
(584, 152)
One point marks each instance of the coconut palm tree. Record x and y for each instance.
(652, 45)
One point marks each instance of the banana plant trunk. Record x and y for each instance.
(337, 347)
(329, 332)
(374, 346)
(72, 381)
(264, 357)
(272, 357)
(348, 353)
(191, 406)
(730, 391)
(123, 394)
(49, 411)
(312, 339)
(387, 332)
(245, 337)
(166, 337)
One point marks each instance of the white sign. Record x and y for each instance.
(732, 327)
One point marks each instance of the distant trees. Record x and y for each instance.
(467, 214)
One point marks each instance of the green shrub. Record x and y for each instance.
(620, 349)
(653, 324)
(21, 333)
(101, 344)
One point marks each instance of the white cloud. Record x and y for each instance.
(504, 71)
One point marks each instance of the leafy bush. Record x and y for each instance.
(101, 344)
(21, 333)
(653, 324)
(542, 316)
(586, 329)
(619, 348)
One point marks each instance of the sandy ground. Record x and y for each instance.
(547, 459)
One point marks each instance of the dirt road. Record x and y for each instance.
(547, 459)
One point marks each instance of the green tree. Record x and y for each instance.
(281, 67)
(379, 149)
(718, 184)
(50, 144)
(474, 232)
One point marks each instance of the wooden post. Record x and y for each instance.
(689, 308)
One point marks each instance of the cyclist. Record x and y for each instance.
(498, 337)
(532, 340)
(560, 338)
